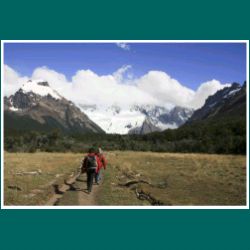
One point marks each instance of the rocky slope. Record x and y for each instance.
(230, 101)
(37, 103)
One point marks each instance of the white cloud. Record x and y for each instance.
(206, 89)
(12, 80)
(124, 46)
(165, 89)
(86, 87)
(90, 88)
(122, 75)
(56, 80)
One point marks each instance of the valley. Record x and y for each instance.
(167, 143)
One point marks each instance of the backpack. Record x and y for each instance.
(91, 162)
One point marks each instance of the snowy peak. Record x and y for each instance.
(150, 110)
(146, 127)
(230, 100)
(136, 118)
(114, 119)
(37, 103)
(231, 91)
(115, 109)
(224, 93)
(31, 94)
(39, 87)
(177, 115)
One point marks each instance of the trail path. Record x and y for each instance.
(73, 192)
(85, 199)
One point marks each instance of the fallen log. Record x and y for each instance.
(141, 195)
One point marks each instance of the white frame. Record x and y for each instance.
(122, 207)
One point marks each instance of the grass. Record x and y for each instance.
(112, 194)
(175, 179)
(36, 189)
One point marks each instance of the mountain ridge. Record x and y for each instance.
(225, 102)
(135, 118)
(36, 101)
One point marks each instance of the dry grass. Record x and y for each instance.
(36, 189)
(177, 179)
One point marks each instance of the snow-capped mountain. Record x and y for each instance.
(113, 119)
(29, 95)
(228, 101)
(139, 119)
(47, 109)
(178, 114)
(42, 108)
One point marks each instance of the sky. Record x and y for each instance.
(152, 71)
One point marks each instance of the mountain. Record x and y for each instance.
(228, 102)
(178, 115)
(146, 127)
(36, 106)
(217, 127)
(136, 119)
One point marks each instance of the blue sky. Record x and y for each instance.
(191, 64)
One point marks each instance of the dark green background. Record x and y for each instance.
(124, 229)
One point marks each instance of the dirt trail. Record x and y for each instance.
(85, 199)
(73, 192)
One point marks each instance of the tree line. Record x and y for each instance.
(225, 136)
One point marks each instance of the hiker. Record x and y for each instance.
(103, 164)
(91, 164)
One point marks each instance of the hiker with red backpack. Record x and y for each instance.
(103, 164)
(91, 165)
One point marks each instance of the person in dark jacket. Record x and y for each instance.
(91, 164)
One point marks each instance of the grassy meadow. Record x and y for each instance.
(36, 189)
(171, 178)
(175, 179)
